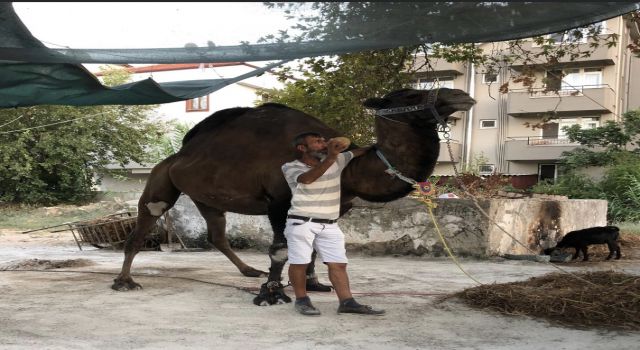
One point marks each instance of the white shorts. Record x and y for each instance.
(304, 236)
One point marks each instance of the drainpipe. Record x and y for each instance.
(471, 87)
(617, 110)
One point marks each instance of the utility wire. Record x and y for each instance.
(43, 126)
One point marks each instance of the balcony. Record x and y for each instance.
(579, 100)
(537, 147)
(456, 149)
(600, 57)
(441, 68)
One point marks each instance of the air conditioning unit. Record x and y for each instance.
(486, 169)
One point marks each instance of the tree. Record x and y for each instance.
(49, 154)
(333, 88)
(609, 144)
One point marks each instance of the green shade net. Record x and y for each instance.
(33, 74)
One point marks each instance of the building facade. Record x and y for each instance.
(496, 136)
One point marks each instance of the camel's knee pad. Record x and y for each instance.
(278, 252)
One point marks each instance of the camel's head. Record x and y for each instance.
(447, 101)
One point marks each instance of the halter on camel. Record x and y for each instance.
(431, 106)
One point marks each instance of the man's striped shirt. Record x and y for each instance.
(321, 198)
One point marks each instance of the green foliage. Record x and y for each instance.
(473, 168)
(609, 144)
(333, 89)
(170, 142)
(573, 185)
(49, 154)
(621, 186)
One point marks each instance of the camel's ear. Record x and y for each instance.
(376, 103)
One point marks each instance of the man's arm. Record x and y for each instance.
(316, 171)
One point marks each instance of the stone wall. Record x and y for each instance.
(405, 226)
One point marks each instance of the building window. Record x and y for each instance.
(554, 129)
(198, 104)
(574, 79)
(433, 83)
(547, 172)
(488, 123)
(489, 78)
(486, 169)
(577, 35)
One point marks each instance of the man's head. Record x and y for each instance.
(310, 143)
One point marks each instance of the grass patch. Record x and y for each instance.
(632, 228)
(23, 217)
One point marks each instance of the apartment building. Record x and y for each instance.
(494, 136)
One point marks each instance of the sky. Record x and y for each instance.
(148, 24)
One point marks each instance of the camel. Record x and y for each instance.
(230, 162)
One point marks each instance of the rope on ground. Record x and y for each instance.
(249, 290)
(424, 199)
(243, 289)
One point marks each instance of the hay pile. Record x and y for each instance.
(612, 301)
(44, 264)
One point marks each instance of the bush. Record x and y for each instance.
(571, 185)
(621, 186)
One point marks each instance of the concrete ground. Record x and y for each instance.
(74, 308)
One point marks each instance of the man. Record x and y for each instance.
(314, 178)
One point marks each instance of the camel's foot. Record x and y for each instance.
(125, 284)
(251, 272)
(314, 286)
(271, 293)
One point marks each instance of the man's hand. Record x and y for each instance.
(337, 145)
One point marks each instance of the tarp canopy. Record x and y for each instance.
(34, 74)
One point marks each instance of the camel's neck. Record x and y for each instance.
(413, 152)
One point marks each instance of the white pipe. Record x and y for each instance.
(471, 87)
(617, 111)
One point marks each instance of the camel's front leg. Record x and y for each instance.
(272, 291)
(313, 285)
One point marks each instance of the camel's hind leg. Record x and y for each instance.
(216, 223)
(159, 196)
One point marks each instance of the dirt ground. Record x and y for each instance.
(73, 307)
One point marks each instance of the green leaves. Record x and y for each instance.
(55, 159)
(334, 88)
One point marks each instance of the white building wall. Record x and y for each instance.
(241, 94)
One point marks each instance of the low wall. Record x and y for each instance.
(405, 227)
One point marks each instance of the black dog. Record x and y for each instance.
(580, 239)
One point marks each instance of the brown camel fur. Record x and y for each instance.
(231, 162)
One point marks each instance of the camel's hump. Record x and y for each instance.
(223, 116)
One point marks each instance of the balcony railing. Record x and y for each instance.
(565, 91)
(548, 140)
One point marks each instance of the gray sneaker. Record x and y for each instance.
(360, 309)
(307, 309)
